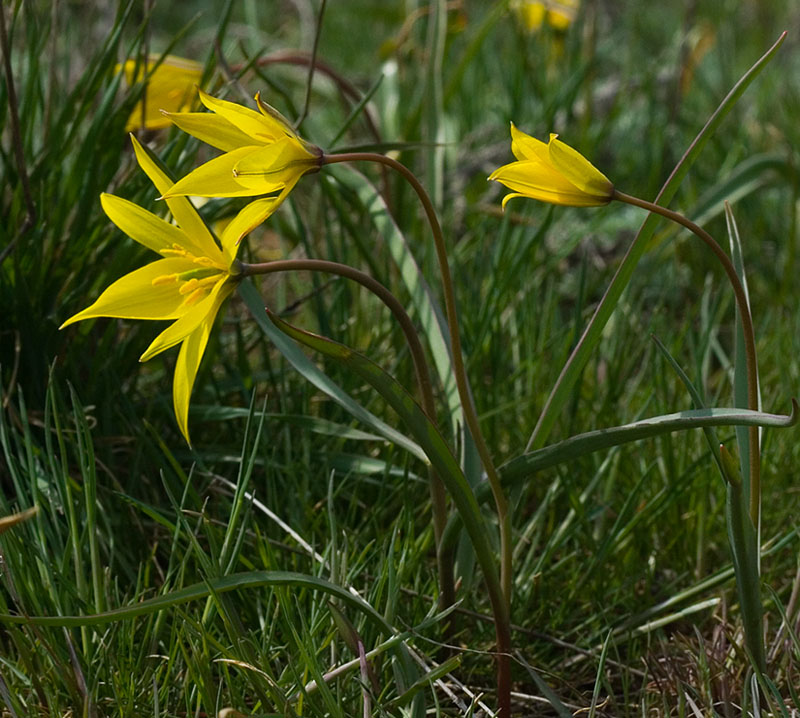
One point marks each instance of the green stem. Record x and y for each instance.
(445, 559)
(500, 604)
(747, 330)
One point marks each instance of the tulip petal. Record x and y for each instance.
(257, 126)
(578, 170)
(272, 114)
(215, 178)
(186, 323)
(210, 128)
(134, 296)
(188, 362)
(526, 147)
(245, 222)
(540, 181)
(198, 237)
(170, 86)
(268, 168)
(249, 218)
(140, 225)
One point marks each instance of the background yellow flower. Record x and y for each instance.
(171, 85)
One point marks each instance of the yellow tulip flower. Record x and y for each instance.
(559, 15)
(170, 86)
(187, 285)
(552, 172)
(263, 155)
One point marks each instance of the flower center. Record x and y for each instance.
(194, 284)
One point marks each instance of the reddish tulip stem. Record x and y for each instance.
(438, 496)
(747, 331)
(501, 605)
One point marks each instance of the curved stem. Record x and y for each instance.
(438, 495)
(747, 330)
(502, 613)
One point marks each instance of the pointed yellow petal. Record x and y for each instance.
(134, 296)
(215, 178)
(187, 322)
(579, 171)
(189, 358)
(268, 169)
(182, 209)
(141, 225)
(252, 123)
(510, 196)
(539, 181)
(248, 219)
(210, 128)
(271, 113)
(526, 147)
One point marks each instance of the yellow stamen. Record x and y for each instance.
(165, 279)
(195, 297)
(189, 286)
(175, 251)
(199, 285)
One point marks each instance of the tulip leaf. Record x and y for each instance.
(525, 466)
(320, 380)
(740, 389)
(202, 590)
(314, 424)
(225, 584)
(423, 430)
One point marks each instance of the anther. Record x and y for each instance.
(165, 279)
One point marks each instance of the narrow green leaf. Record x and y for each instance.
(320, 380)
(525, 466)
(740, 393)
(424, 431)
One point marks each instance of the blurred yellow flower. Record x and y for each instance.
(263, 155)
(552, 172)
(559, 15)
(170, 86)
(187, 285)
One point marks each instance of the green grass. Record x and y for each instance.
(624, 597)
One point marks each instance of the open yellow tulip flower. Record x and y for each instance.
(263, 155)
(187, 285)
(552, 172)
(170, 86)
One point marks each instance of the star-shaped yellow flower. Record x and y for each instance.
(170, 86)
(552, 172)
(263, 155)
(187, 285)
